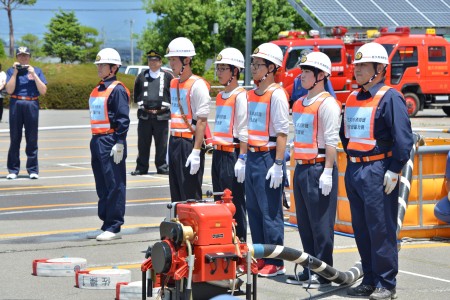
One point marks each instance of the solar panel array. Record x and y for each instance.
(379, 13)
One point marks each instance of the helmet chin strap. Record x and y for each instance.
(182, 65)
(232, 76)
(375, 65)
(317, 81)
(109, 75)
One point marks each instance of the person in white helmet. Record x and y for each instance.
(268, 127)
(109, 110)
(316, 136)
(189, 116)
(377, 138)
(230, 135)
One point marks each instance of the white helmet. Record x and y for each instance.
(271, 52)
(108, 56)
(371, 52)
(230, 56)
(317, 60)
(180, 46)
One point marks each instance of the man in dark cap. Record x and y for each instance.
(152, 94)
(25, 84)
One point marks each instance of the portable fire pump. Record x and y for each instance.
(199, 253)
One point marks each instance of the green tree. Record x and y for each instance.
(192, 19)
(64, 39)
(195, 19)
(269, 18)
(9, 6)
(33, 43)
(90, 44)
(2, 49)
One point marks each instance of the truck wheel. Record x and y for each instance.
(412, 104)
(446, 109)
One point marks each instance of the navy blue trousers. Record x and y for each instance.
(23, 114)
(374, 221)
(110, 182)
(148, 129)
(183, 185)
(263, 203)
(222, 173)
(316, 213)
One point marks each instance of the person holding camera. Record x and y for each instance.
(152, 94)
(25, 84)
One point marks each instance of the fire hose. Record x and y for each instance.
(325, 270)
(200, 235)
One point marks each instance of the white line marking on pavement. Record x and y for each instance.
(72, 208)
(424, 276)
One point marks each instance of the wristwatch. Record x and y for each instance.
(243, 157)
(279, 162)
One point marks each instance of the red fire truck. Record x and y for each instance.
(419, 63)
(419, 67)
(292, 43)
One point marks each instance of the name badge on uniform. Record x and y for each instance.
(145, 83)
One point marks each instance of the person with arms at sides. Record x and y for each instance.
(110, 121)
(377, 138)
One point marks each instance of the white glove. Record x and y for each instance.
(275, 174)
(194, 161)
(326, 181)
(239, 170)
(117, 153)
(141, 105)
(390, 181)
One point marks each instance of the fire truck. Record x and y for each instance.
(419, 63)
(292, 43)
(419, 67)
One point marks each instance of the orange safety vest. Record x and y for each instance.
(259, 116)
(225, 111)
(359, 120)
(98, 107)
(305, 127)
(176, 118)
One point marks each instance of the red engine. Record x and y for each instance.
(199, 245)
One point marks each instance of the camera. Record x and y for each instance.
(20, 67)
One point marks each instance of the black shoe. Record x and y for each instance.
(163, 172)
(138, 172)
(362, 290)
(297, 280)
(383, 294)
(285, 202)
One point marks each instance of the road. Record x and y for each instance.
(50, 217)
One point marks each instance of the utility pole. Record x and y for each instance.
(248, 41)
(131, 42)
(214, 33)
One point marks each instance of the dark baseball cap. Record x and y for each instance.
(23, 50)
(152, 54)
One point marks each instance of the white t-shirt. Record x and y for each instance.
(2, 82)
(328, 125)
(240, 129)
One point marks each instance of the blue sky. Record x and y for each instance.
(111, 18)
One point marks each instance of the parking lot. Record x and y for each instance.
(50, 218)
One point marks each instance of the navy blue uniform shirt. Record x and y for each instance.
(392, 125)
(118, 109)
(24, 86)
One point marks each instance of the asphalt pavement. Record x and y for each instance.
(50, 218)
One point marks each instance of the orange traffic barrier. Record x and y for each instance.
(427, 188)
